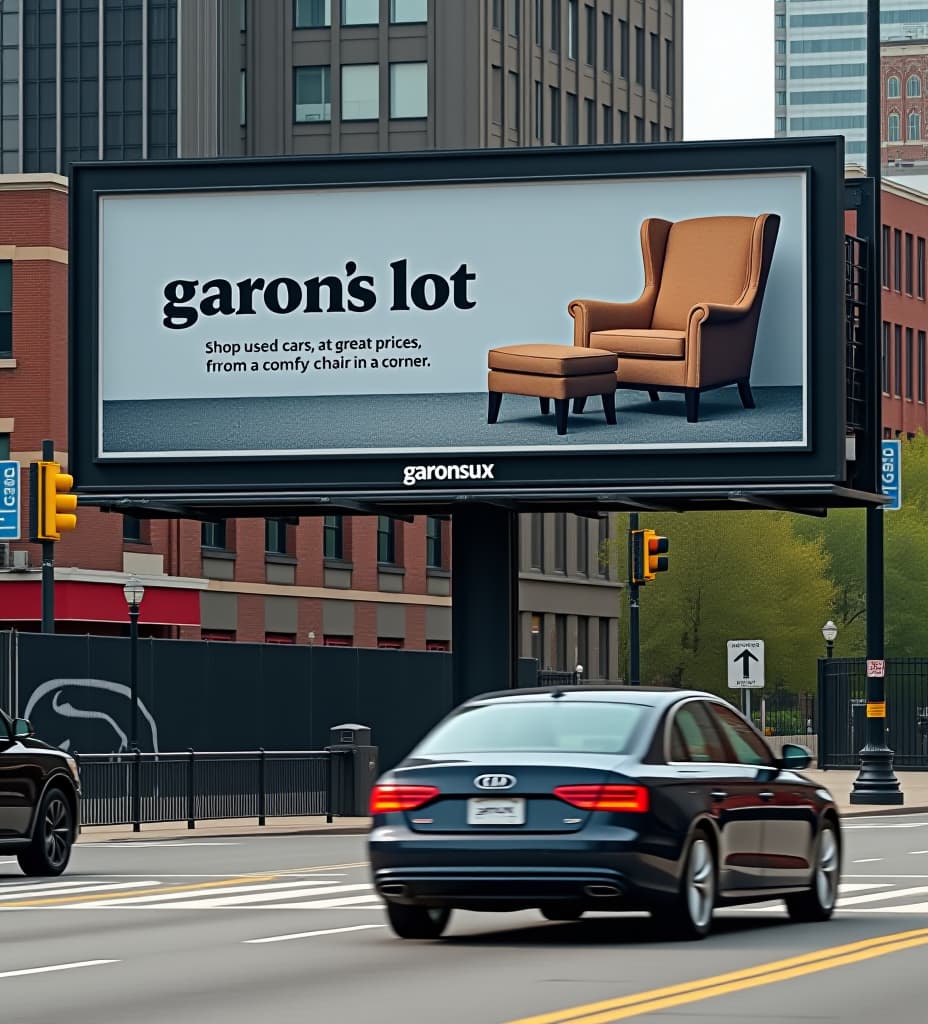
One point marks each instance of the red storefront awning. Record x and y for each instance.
(78, 601)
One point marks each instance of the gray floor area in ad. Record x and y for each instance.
(441, 422)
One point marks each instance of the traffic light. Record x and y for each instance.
(51, 508)
(648, 555)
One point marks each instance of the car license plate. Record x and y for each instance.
(496, 811)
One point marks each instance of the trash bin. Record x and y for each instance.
(354, 768)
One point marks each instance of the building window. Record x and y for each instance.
(360, 92)
(312, 13)
(537, 554)
(607, 124)
(913, 86)
(639, 129)
(333, 537)
(6, 308)
(669, 80)
(655, 132)
(639, 55)
(513, 101)
(590, 106)
(539, 111)
(360, 12)
(496, 99)
(920, 268)
(909, 242)
(781, 98)
(555, 115)
(583, 644)
(573, 128)
(280, 638)
(914, 126)
(275, 537)
(897, 259)
(312, 92)
(885, 259)
(556, 26)
(333, 640)
(590, 35)
(623, 48)
(781, 46)
(909, 356)
(583, 547)
(560, 642)
(4, 446)
(242, 97)
(433, 552)
(538, 639)
(213, 535)
(602, 547)
(894, 131)
(608, 42)
(226, 636)
(540, 23)
(780, 125)
(921, 367)
(623, 126)
(437, 645)
(391, 643)
(386, 540)
(514, 17)
(885, 358)
(560, 542)
(655, 62)
(409, 90)
(779, 21)
(668, 135)
(132, 529)
(407, 12)
(603, 648)
(780, 73)
(897, 360)
(573, 28)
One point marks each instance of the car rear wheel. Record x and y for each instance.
(50, 848)
(562, 912)
(418, 922)
(690, 914)
(817, 903)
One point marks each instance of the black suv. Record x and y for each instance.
(39, 799)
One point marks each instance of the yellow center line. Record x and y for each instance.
(609, 1010)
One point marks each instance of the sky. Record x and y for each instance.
(728, 69)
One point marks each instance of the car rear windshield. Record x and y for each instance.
(546, 726)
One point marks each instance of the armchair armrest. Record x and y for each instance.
(596, 315)
(717, 313)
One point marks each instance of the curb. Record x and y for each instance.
(136, 837)
(879, 810)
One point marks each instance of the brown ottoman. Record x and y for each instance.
(560, 372)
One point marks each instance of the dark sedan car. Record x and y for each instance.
(600, 798)
(39, 800)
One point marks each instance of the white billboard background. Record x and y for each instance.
(533, 248)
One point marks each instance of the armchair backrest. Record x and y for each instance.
(713, 259)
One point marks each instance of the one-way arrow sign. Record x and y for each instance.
(745, 664)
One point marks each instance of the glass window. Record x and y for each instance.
(669, 65)
(512, 100)
(608, 42)
(590, 107)
(573, 28)
(312, 13)
(539, 22)
(560, 542)
(913, 86)
(513, 17)
(893, 90)
(607, 124)
(539, 111)
(655, 62)
(360, 92)
(242, 97)
(386, 540)
(333, 537)
(275, 536)
(746, 745)
(213, 535)
(655, 132)
(132, 529)
(780, 73)
(573, 128)
(590, 35)
(433, 552)
(909, 262)
(583, 644)
(781, 46)
(920, 268)
(570, 726)
(583, 545)
(406, 12)
(6, 308)
(497, 14)
(897, 360)
(360, 12)
(897, 259)
(885, 256)
(409, 90)
(885, 358)
(603, 648)
(840, 45)
(496, 97)
(909, 369)
(555, 115)
(623, 126)
(538, 540)
(921, 367)
(829, 123)
(639, 129)
(312, 94)
(831, 71)
(538, 639)
(639, 56)
(602, 545)
(4, 446)
(819, 96)
(914, 125)
(556, 26)
(698, 737)
(560, 642)
(894, 130)
(623, 49)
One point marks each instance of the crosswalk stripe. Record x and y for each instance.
(262, 897)
(876, 896)
(194, 895)
(348, 902)
(862, 886)
(11, 901)
(33, 891)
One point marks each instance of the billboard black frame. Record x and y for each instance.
(817, 472)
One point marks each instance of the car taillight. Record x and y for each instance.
(605, 797)
(387, 798)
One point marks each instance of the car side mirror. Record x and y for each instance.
(795, 756)
(22, 729)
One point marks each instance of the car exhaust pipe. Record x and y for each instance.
(602, 891)
(392, 889)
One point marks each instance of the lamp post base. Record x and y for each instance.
(876, 782)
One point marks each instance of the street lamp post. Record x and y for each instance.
(134, 592)
(829, 632)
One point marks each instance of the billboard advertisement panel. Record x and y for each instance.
(614, 314)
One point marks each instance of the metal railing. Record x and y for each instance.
(856, 279)
(142, 788)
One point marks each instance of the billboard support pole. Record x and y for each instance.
(634, 636)
(485, 604)
(876, 783)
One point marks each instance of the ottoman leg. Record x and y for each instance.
(692, 405)
(579, 404)
(653, 395)
(561, 408)
(495, 401)
(545, 404)
(609, 407)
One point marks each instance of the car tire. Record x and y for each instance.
(418, 922)
(817, 903)
(49, 850)
(689, 916)
(562, 912)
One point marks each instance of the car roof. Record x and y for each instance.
(654, 696)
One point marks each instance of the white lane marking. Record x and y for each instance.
(311, 935)
(34, 889)
(273, 897)
(347, 903)
(874, 897)
(147, 845)
(169, 898)
(55, 967)
(900, 824)
(860, 886)
(869, 860)
(917, 853)
(885, 875)
(911, 908)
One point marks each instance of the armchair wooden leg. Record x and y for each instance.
(692, 405)
(579, 404)
(609, 407)
(545, 404)
(653, 395)
(495, 401)
(744, 392)
(561, 408)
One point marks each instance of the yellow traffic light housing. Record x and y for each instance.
(648, 556)
(52, 507)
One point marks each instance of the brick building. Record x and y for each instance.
(904, 68)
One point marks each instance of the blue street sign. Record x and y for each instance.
(10, 499)
(891, 474)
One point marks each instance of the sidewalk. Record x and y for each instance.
(914, 787)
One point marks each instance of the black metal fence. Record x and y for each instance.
(139, 788)
(842, 688)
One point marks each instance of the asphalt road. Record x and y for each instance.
(285, 929)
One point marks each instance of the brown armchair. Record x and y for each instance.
(694, 326)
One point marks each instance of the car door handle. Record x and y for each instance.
(766, 795)
(719, 794)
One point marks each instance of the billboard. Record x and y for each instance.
(610, 314)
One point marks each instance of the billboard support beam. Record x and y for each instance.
(485, 604)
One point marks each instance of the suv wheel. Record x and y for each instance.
(50, 849)
(418, 922)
